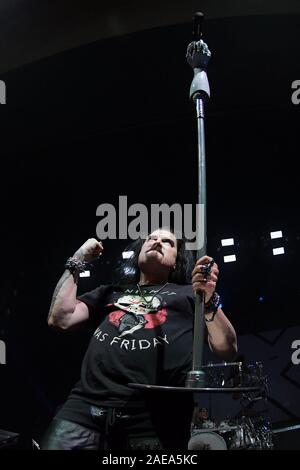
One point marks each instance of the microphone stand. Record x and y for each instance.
(198, 56)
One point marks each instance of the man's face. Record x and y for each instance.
(159, 250)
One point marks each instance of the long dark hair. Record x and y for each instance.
(128, 271)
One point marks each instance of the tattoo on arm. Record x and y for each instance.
(66, 275)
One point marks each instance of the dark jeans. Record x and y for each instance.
(114, 429)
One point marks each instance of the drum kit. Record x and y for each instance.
(248, 429)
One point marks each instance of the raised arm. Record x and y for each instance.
(65, 310)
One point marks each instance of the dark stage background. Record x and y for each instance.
(113, 117)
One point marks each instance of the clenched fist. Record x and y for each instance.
(89, 251)
(203, 280)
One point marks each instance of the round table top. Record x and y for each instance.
(194, 389)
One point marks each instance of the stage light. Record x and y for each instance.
(227, 241)
(85, 274)
(127, 254)
(278, 251)
(277, 234)
(229, 258)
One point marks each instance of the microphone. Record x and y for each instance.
(198, 23)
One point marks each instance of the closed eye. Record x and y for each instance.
(164, 240)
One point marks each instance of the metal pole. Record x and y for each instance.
(198, 56)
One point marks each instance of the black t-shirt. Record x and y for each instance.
(143, 339)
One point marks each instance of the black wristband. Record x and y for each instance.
(75, 265)
(212, 306)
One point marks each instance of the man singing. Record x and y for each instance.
(144, 335)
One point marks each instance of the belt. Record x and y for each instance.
(111, 417)
(99, 413)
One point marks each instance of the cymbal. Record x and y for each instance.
(193, 389)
